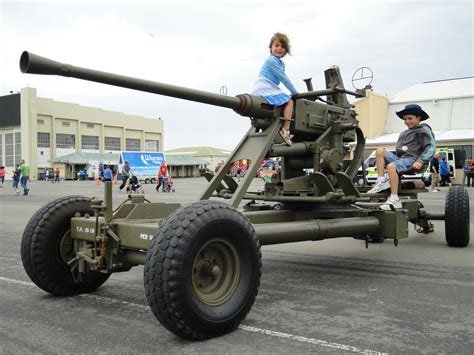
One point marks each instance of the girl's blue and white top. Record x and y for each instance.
(270, 76)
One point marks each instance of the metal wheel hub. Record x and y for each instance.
(66, 249)
(216, 272)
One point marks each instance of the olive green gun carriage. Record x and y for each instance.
(202, 261)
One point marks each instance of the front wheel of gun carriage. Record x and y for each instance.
(202, 270)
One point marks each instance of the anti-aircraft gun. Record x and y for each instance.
(202, 261)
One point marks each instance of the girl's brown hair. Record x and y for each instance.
(283, 39)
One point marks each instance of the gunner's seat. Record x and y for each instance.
(412, 184)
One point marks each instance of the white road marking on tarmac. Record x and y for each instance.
(113, 300)
(246, 328)
(19, 282)
(309, 340)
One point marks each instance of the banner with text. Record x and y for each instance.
(143, 163)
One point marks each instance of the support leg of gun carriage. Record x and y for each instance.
(254, 147)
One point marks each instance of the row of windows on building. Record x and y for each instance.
(12, 148)
(92, 142)
(12, 144)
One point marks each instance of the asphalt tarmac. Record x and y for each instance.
(332, 296)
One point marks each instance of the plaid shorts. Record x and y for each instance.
(401, 164)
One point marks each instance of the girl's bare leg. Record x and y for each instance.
(288, 113)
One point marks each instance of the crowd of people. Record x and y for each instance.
(20, 176)
(440, 171)
(130, 182)
(52, 175)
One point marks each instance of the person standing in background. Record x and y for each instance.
(25, 176)
(444, 172)
(162, 176)
(107, 173)
(125, 175)
(465, 169)
(434, 170)
(470, 174)
(16, 178)
(2, 175)
(57, 172)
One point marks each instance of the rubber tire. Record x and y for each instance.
(153, 180)
(169, 263)
(456, 212)
(147, 181)
(40, 251)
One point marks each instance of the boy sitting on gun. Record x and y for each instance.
(415, 148)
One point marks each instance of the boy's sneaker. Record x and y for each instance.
(17, 192)
(379, 186)
(391, 202)
(286, 136)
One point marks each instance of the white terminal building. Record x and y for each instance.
(41, 130)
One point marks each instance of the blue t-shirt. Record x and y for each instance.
(443, 168)
(108, 174)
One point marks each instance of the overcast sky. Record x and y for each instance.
(208, 44)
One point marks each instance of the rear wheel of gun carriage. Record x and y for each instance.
(47, 247)
(202, 270)
(456, 213)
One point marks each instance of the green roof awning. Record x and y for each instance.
(113, 158)
(183, 160)
(198, 152)
(84, 158)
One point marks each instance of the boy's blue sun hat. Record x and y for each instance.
(413, 109)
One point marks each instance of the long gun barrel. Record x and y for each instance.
(245, 105)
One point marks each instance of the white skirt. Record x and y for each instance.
(270, 92)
